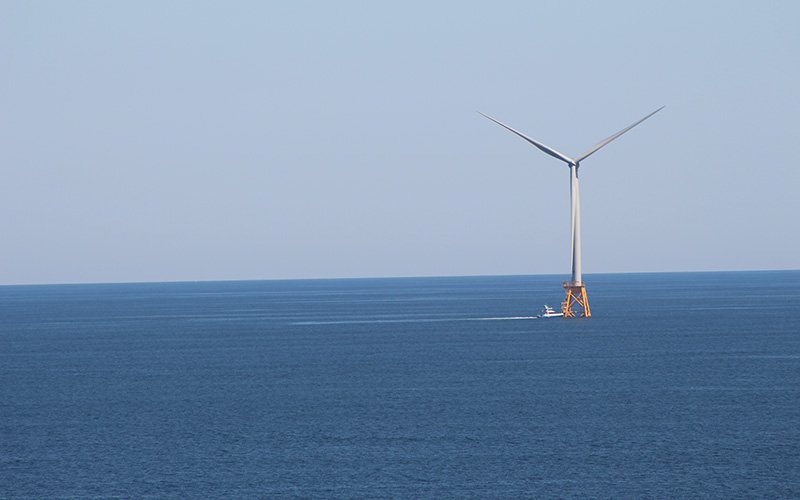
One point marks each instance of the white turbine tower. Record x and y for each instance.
(576, 289)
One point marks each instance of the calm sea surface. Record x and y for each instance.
(679, 386)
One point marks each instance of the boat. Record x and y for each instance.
(549, 312)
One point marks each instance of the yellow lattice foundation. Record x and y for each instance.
(575, 305)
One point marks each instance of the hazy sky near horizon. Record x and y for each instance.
(192, 140)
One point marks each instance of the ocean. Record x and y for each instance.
(680, 385)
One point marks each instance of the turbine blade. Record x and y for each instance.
(572, 217)
(575, 209)
(606, 141)
(552, 152)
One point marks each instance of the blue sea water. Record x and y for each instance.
(681, 385)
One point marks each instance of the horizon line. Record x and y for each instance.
(330, 278)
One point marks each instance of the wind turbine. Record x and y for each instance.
(576, 289)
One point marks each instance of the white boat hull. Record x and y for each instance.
(549, 312)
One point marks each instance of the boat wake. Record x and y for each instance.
(407, 320)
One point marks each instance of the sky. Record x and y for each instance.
(191, 140)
